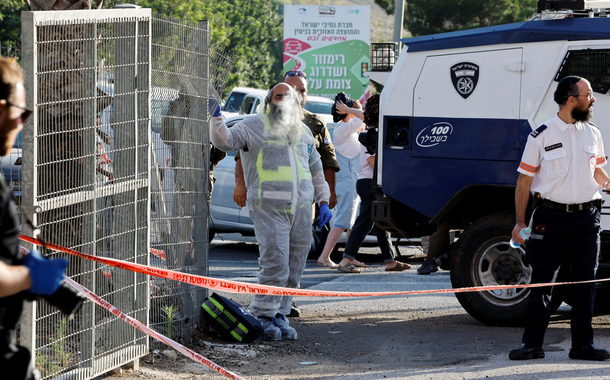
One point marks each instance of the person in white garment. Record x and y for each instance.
(348, 113)
(283, 175)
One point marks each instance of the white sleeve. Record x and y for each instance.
(530, 161)
(219, 133)
(343, 130)
(320, 187)
(601, 156)
(223, 138)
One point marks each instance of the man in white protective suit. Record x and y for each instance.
(283, 174)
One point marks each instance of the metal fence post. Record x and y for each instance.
(203, 210)
(28, 175)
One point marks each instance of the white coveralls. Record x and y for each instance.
(281, 182)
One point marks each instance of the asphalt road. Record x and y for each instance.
(419, 337)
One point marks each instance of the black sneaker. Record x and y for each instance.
(526, 352)
(294, 311)
(428, 267)
(443, 262)
(589, 352)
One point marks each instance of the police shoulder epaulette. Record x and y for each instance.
(538, 131)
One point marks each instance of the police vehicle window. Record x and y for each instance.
(234, 102)
(318, 107)
(593, 65)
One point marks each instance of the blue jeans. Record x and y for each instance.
(364, 224)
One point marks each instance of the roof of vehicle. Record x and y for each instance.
(521, 32)
(320, 99)
(249, 90)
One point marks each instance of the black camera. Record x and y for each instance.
(369, 138)
(66, 299)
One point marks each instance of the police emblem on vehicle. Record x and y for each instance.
(465, 76)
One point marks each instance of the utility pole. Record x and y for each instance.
(399, 17)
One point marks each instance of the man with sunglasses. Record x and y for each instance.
(18, 273)
(562, 167)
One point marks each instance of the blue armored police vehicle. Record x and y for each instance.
(455, 113)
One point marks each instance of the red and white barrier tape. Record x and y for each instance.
(243, 287)
(137, 324)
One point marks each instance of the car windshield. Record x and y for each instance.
(318, 107)
(233, 102)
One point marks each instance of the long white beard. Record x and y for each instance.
(286, 121)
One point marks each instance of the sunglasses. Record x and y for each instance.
(293, 73)
(25, 115)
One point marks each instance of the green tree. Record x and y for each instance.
(424, 17)
(252, 30)
(10, 21)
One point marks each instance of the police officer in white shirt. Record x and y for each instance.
(562, 166)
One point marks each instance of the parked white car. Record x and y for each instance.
(245, 101)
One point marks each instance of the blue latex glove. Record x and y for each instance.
(47, 274)
(325, 214)
(214, 107)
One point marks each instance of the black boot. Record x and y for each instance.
(526, 352)
(589, 352)
(428, 267)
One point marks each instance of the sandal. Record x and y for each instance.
(328, 263)
(358, 264)
(349, 268)
(399, 267)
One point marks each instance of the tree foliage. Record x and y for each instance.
(252, 30)
(10, 20)
(424, 17)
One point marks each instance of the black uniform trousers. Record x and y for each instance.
(562, 238)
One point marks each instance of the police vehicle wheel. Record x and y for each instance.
(484, 258)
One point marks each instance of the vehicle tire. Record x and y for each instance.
(211, 233)
(485, 258)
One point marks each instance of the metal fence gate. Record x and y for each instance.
(115, 164)
(85, 168)
(179, 170)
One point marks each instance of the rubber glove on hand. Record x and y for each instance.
(325, 214)
(214, 107)
(47, 274)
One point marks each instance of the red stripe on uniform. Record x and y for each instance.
(528, 168)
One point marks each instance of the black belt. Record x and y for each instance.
(571, 208)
